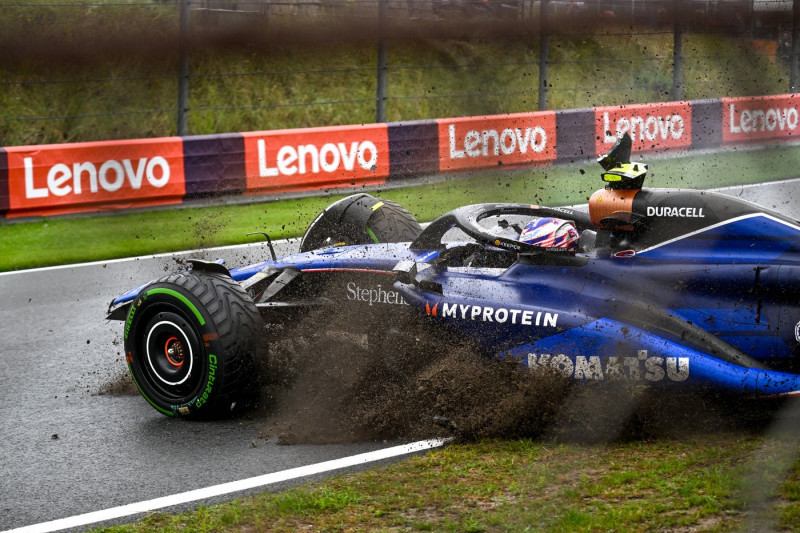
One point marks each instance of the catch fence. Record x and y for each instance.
(215, 66)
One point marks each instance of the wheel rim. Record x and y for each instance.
(168, 350)
(172, 351)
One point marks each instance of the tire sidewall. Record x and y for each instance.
(168, 300)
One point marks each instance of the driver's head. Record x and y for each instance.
(549, 232)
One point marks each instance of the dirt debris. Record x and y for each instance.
(121, 385)
(326, 386)
(337, 392)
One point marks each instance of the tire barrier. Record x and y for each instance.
(97, 176)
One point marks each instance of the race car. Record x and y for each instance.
(653, 286)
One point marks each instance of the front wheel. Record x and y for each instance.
(190, 344)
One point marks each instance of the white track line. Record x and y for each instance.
(228, 488)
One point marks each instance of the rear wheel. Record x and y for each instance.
(360, 219)
(190, 343)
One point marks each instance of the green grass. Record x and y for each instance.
(65, 240)
(696, 483)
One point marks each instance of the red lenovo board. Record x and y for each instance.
(316, 158)
(652, 127)
(491, 141)
(760, 117)
(71, 178)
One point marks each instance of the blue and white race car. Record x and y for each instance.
(654, 286)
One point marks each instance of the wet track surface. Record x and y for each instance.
(67, 450)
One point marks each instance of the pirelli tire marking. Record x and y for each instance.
(212, 376)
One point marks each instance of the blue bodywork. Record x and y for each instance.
(716, 303)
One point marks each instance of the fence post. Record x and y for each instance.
(677, 51)
(543, 52)
(380, 98)
(183, 69)
(794, 60)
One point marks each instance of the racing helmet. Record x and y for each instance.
(549, 232)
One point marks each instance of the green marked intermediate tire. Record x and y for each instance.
(191, 340)
(360, 219)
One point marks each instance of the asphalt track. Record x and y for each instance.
(66, 450)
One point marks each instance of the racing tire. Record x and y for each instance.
(190, 344)
(360, 219)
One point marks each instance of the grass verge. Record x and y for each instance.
(700, 483)
(64, 240)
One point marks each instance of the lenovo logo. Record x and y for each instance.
(491, 142)
(758, 120)
(316, 158)
(480, 142)
(308, 158)
(765, 117)
(650, 126)
(88, 177)
(644, 128)
(92, 176)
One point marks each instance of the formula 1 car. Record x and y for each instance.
(654, 286)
